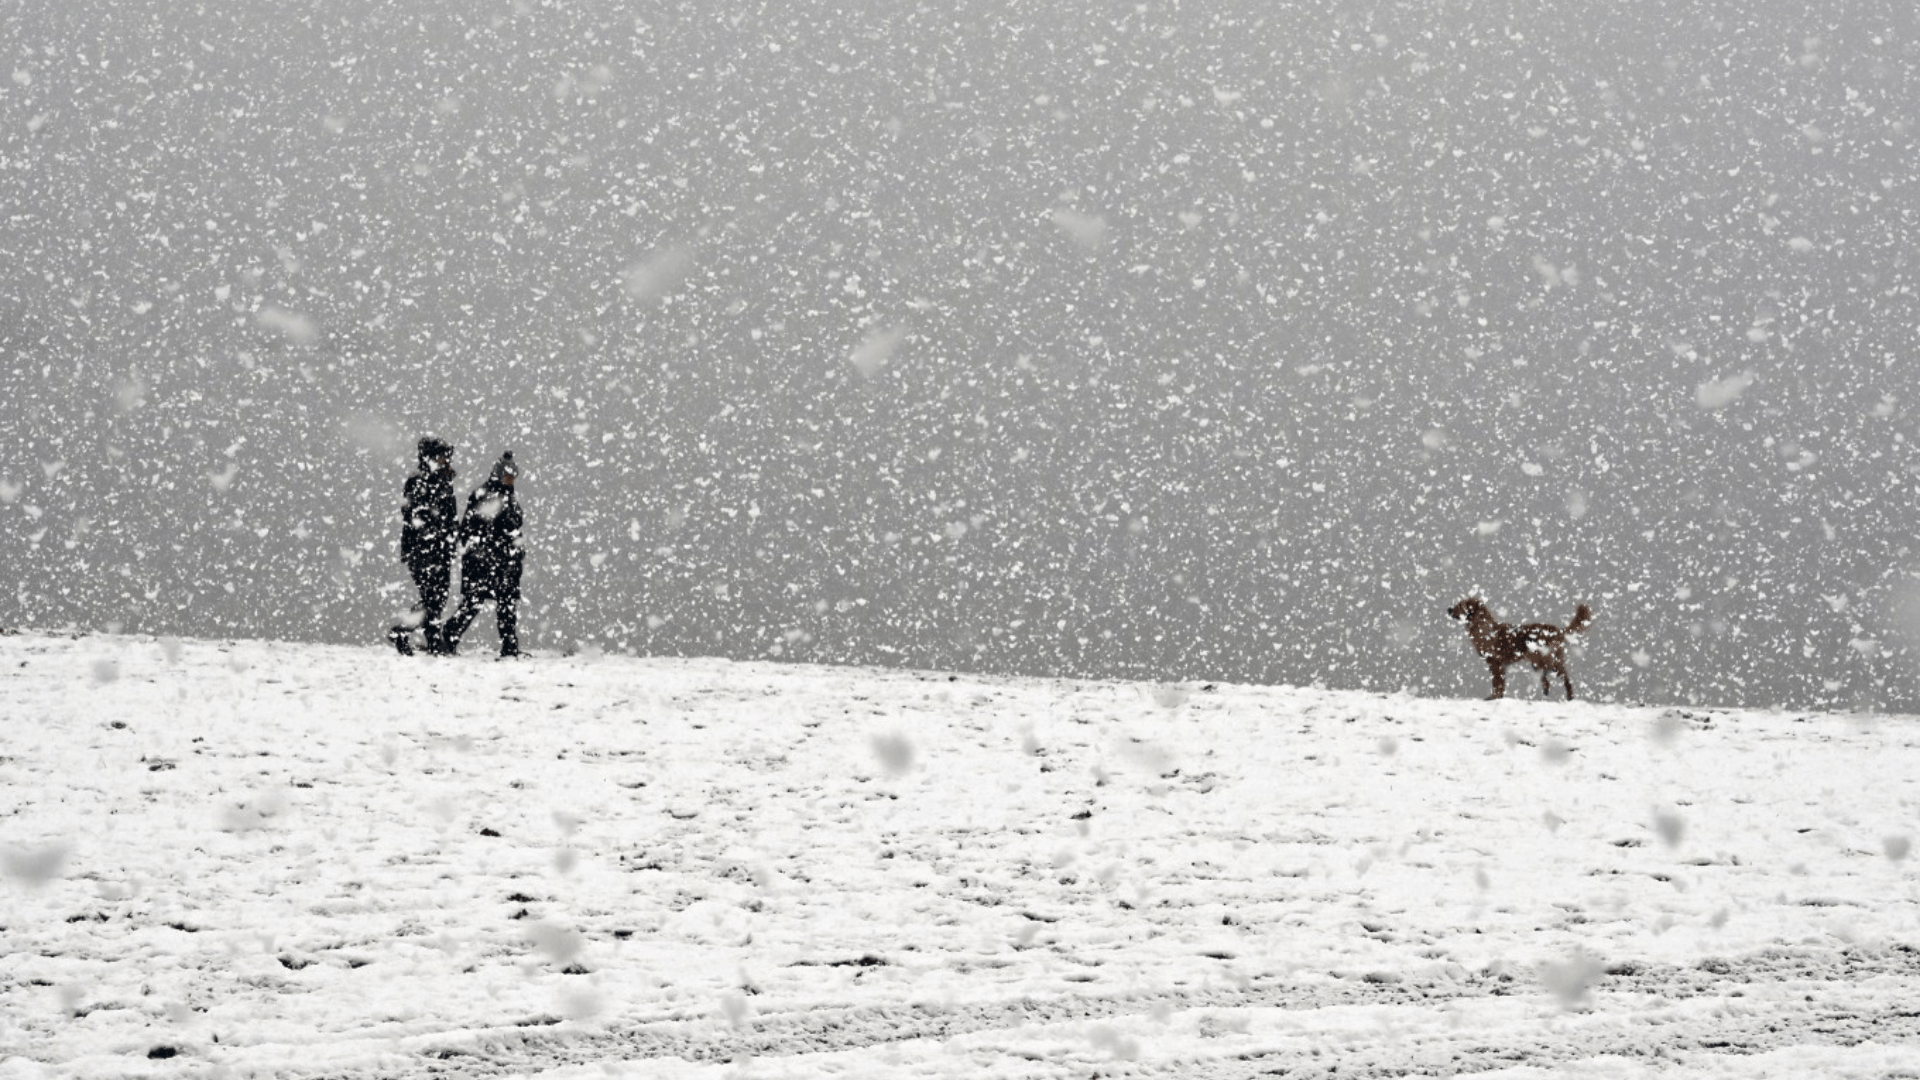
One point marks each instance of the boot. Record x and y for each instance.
(402, 640)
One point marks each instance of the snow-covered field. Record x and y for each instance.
(262, 859)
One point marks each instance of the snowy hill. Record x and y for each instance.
(259, 859)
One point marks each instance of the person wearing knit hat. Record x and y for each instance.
(429, 514)
(504, 470)
(491, 557)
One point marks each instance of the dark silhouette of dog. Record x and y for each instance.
(1543, 645)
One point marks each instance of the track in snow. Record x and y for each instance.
(1763, 1002)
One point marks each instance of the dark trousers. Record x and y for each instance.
(504, 616)
(434, 580)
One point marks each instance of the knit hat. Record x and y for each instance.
(504, 470)
(432, 448)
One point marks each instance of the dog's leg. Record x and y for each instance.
(1499, 681)
(1568, 680)
(1546, 688)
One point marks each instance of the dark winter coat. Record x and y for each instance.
(491, 555)
(429, 517)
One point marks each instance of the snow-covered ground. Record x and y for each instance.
(263, 859)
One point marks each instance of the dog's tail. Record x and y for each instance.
(1582, 617)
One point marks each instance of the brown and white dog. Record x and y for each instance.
(1543, 645)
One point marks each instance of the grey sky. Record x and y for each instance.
(1165, 341)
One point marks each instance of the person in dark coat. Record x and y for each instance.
(491, 556)
(429, 515)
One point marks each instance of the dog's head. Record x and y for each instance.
(1466, 609)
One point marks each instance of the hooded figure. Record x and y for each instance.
(428, 517)
(490, 559)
